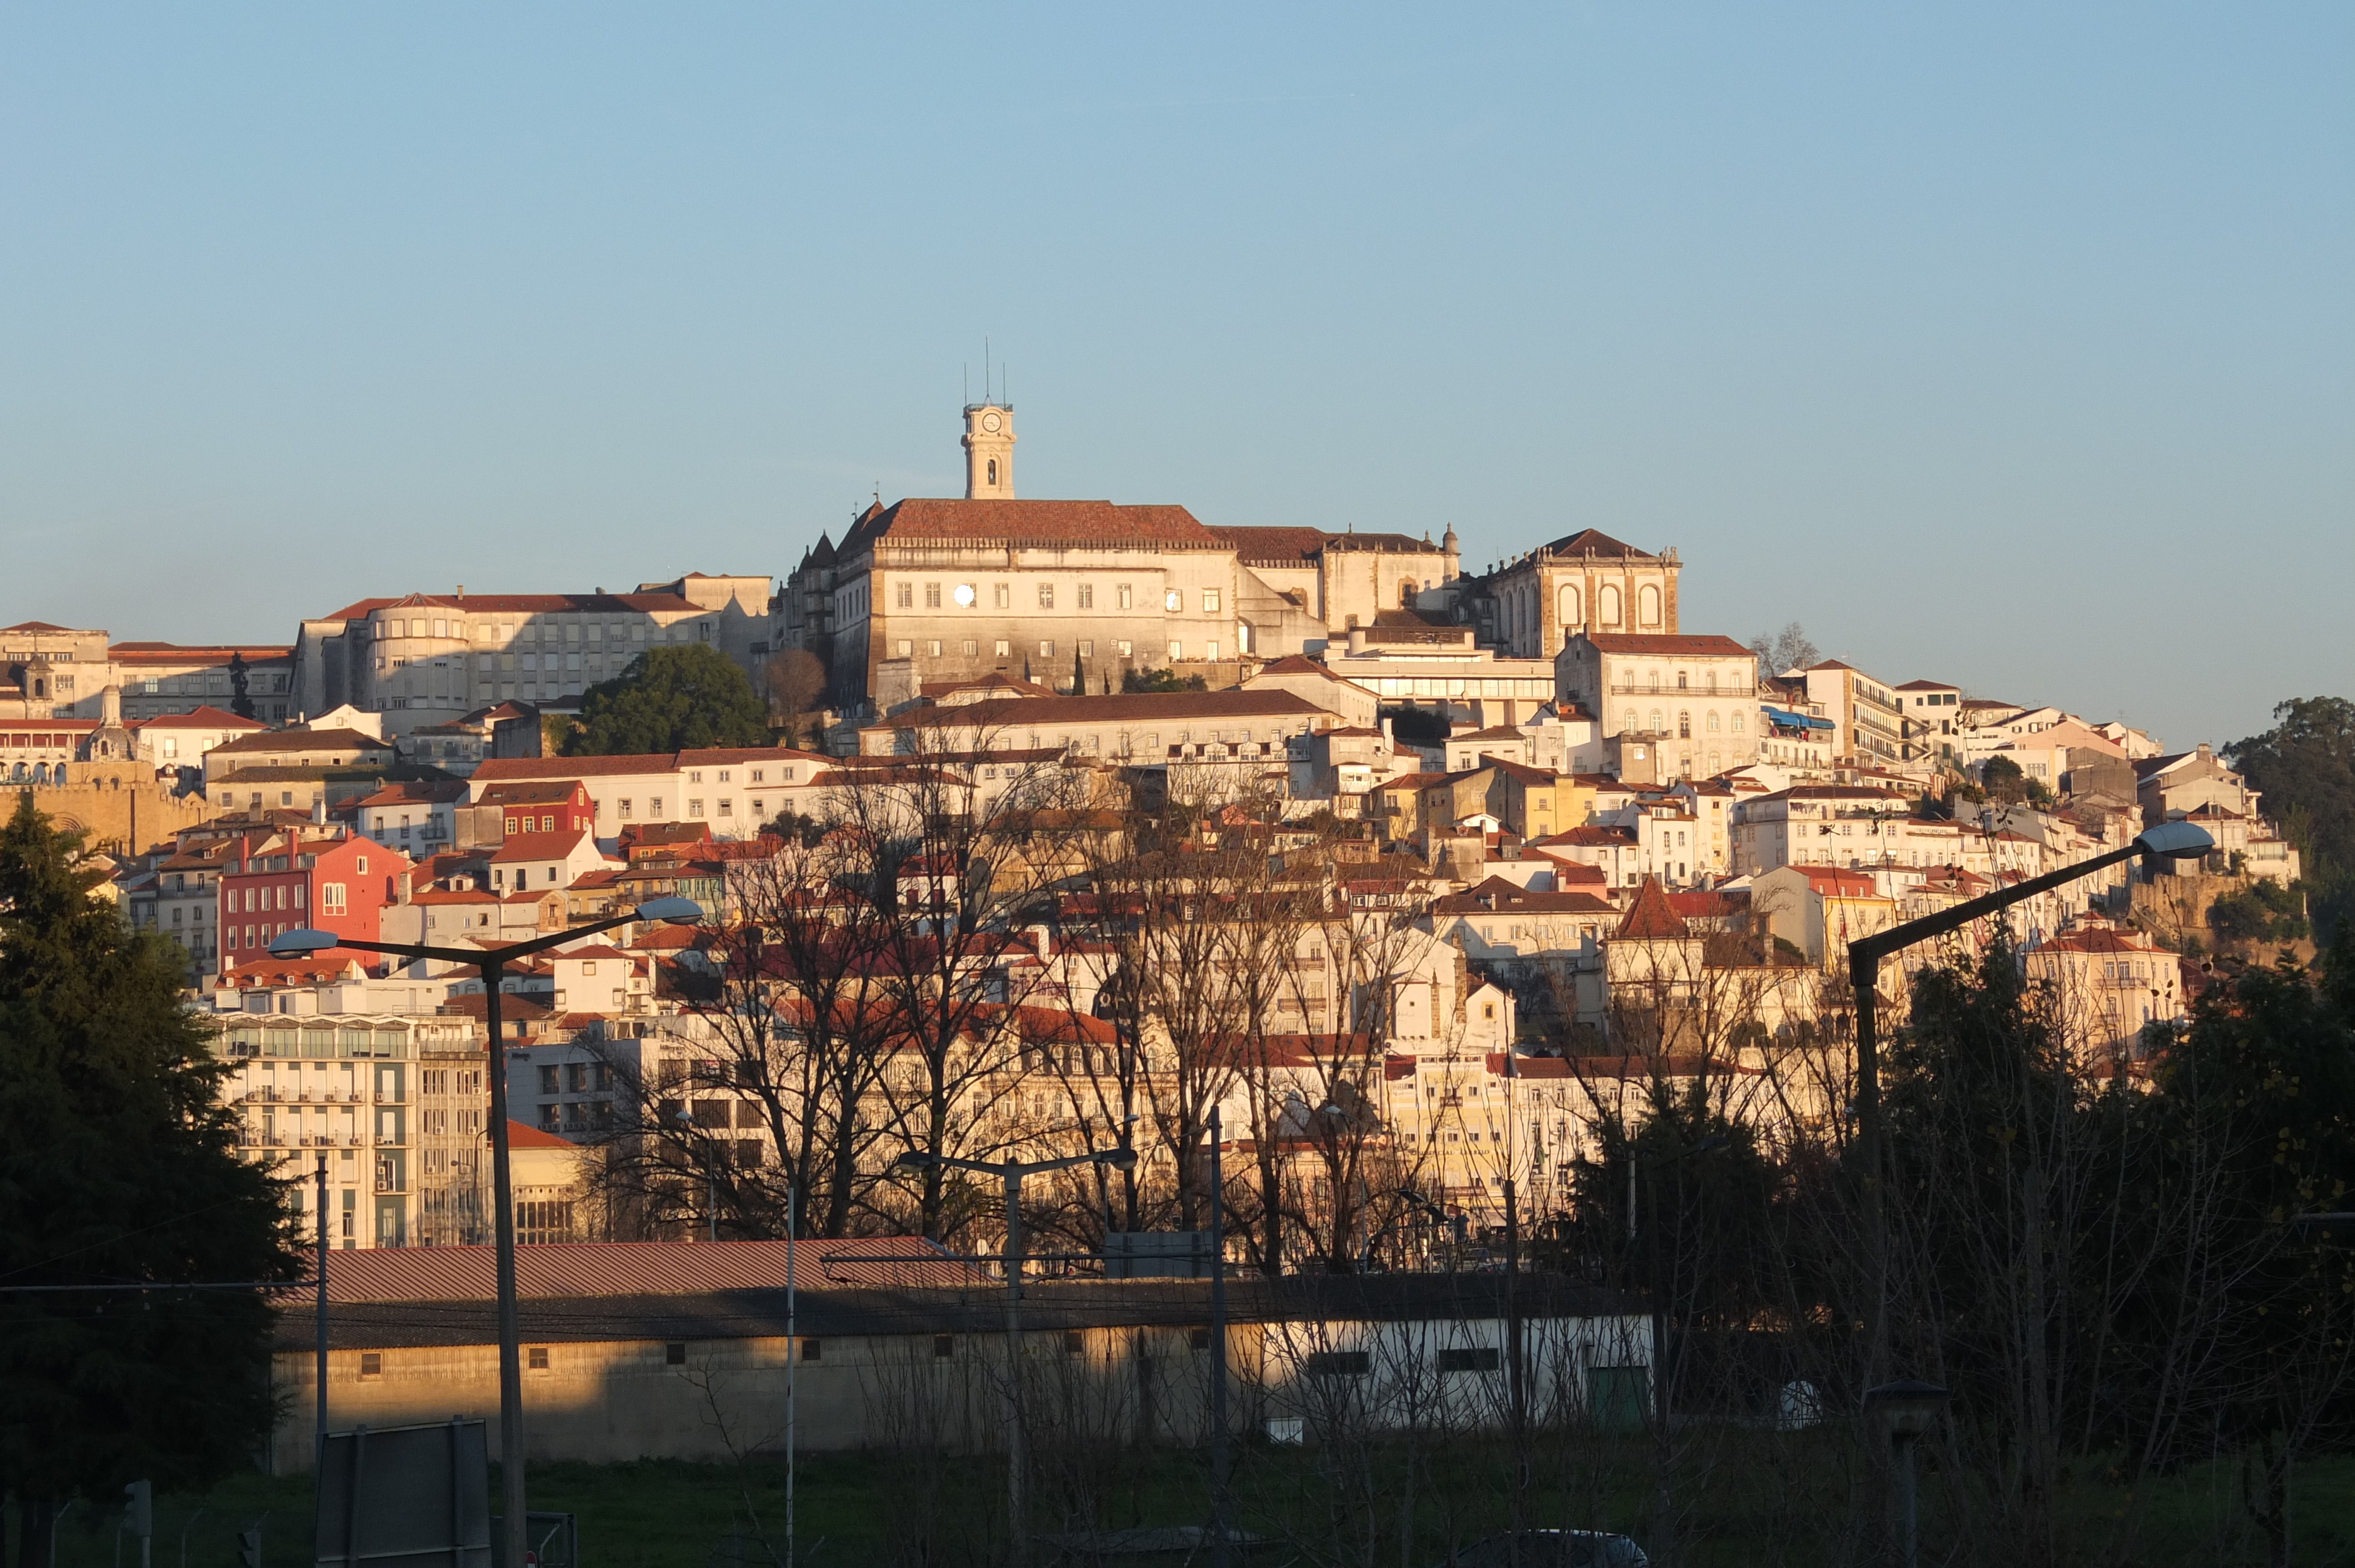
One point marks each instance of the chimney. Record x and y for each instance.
(1357, 639)
(1387, 743)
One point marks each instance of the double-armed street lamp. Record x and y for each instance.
(1011, 1173)
(491, 964)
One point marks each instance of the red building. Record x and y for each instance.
(329, 883)
(557, 806)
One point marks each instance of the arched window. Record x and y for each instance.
(1712, 720)
(1629, 726)
(1710, 679)
(1684, 724)
(1570, 616)
(1606, 605)
(1684, 680)
(1648, 600)
(1737, 721)
(1653, 676)
(993, 471)
(1406, 593)
(1716, 763)
(1658, 729)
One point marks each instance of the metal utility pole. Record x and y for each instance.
(319, 1443)
(792, 1355)
(491, 967)
(1011, 1173)
(1219, 1527)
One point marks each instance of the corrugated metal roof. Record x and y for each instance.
(634, 1269)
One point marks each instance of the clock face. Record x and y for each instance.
(965, 594)
(991, 423)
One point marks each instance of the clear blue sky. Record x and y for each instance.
(2006, 344)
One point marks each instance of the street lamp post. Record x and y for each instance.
(1011, 1173)
(1904, 1410)
(491, 965)
(2168, 841)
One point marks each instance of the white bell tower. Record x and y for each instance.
(989, 451)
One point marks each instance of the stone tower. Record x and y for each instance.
(989, 451)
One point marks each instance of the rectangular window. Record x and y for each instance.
(727, 806)
(1176, 651)
(1047, 648)
(813, 1350)
(371, 1363)
(694, 808)
(1046, 596)
(907, 647)
(907, 596)
(1210, 652)
(1087, 595)
(1210, 602)
(534, 1358)
(1339, 1364)
(932, 649)
(621, 807)
(1005, 649)
(972, 649)
(1127, 648)
(1087, 647)
(1474, 1358)
(674, 1354)
(653, 805)
(1119, 597)
(1003, 595)
(932, 595)
(944, 1345)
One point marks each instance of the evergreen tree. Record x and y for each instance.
(117, 1165)
(241, 701)
(670, 699)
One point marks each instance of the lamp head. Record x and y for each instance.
(916, 1160)
(1119, 1158)
(670, 911)
(300, 944)
(2175, 840)
(1907, 1407)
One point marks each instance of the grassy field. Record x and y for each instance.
(1319, 1506)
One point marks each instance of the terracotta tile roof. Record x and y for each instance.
(1499, 896)
(433, 792)
(1668, 646)
(553, 791)
(539, 846)
(1651, 918)
(523, 1135)
(35, 626)
(1593, 541)
(497, 770)
(1301, 664)
(1274, 546)
(1082, 523)
(306, 740)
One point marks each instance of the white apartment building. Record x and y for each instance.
(1693, 700)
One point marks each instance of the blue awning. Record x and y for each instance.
(1797, 721)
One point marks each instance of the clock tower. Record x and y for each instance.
(989, 451)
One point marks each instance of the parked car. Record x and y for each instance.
(1550, 1549)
